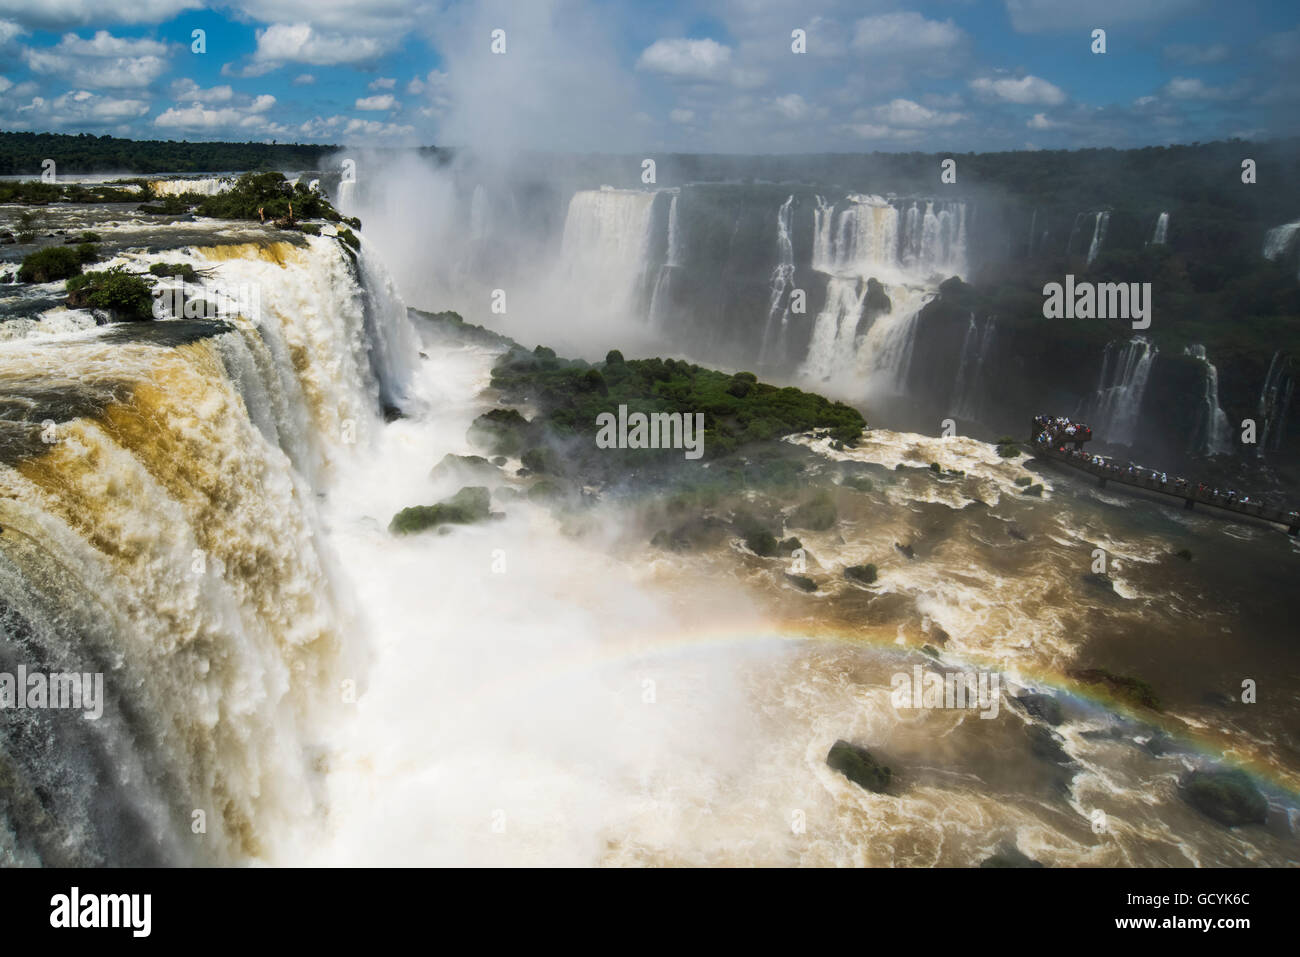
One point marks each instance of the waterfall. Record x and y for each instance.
(782, 280)
(158, 490)
(1098, 236)
(1212, 434)
(968, 389)
(1279, 240)
(204, 186)
(1275, 401)
(672, 259)
(605, 248)
(1116, 407)
(903, 248)
(1162, 230)
(478, 213)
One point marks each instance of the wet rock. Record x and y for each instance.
(1036, 490)
(1100, 580)
(692, 535)
(905, 549)
(938, 635)
(802, 582)
(787, 546)
(1009, 856)
(930, 650)
(865, 574)
(1043, 707)
(1162, 743)
(1229, 797)
(1183, 553)
(859, 766)
(463, 468)
(1014, 531)
(467, 506)
(1045, 745)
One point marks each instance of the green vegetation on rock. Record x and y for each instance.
(127, 296)
(859, 766)
(471, 504)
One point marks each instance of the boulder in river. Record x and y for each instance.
(1229, 797)
(859, 766)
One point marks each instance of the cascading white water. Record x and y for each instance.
(204, 186)
(1116, 407)
(605, 248)
(168, 538)
(1162, 230)
(1275, 401)
(778, 309)
(1279, 240)
(866, 237)
(1098, 235)
(1212, 434)
(968, 389)
(672, 259)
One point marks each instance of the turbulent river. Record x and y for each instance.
(199, 510)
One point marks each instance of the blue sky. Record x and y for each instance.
(626, 76)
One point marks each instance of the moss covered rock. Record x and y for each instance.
(859, 766)
(1229, 797)
(866, 574)
(469, 505)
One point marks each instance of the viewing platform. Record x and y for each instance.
(1058, 439)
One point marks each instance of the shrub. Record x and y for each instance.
(184, 270)
(50, 265)
(471, 504)
(127, 296)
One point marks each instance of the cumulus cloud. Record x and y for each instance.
(186, 90)
(1192, 88)
(103, 61)
(1025, 90)
(908, 113)
(283, 43)
(196, 116)
(687, 59)
(895, 34)
(304, 79)
(792, 106)
(81, 108)
(381, 83)
(58, 14)
(377, 104)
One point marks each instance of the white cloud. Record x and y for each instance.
(198, 117)
(381, 83)
(895, 34)
(907, 113)
(304, 79)
(1191, 88)
(5, 84)
(681, 116)
(56, 14)
(873, 131)
(187, 91)
(689, 59)
(1039, 121)
(379, 103)
(792, 106)
(372, 128)
(283, 43)
(9, 30)
(1025, 90)
(82, 108)
(102, 61)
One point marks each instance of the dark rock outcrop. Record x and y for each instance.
(859, 766)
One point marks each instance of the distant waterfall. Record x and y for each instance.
(1212, 434)
(1279, 241)
(1098, 236)
(672, 260)
(1162, 230)
(1116, 406)
(967, 391)
(1275, 401)
(778, 310)
(203, 186)
(904, 246)
(478, 213)
(605, 248)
